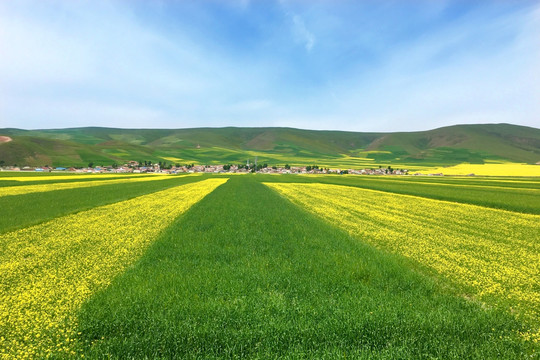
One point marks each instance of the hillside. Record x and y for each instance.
(104, 146)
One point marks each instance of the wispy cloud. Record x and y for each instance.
(299, 30)
(302, 33)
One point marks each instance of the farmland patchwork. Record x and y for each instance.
(269, 267)
(494, 254)
(49, 270)
(27, 189)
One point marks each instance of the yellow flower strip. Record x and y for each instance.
(504, 169)
(27, 189)
(47, 271)
(495, 253)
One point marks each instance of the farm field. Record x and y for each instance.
(268, 266)
(15, 178)
(492, 169)
(32, 208)
(51, 268)
(516, 194)
(27, 189)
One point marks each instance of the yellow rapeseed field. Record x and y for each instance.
(500, 169)
(47, 271)
(495, 254)
(27, 189)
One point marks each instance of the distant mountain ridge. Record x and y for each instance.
(105, 146)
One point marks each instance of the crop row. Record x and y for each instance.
(48, 177)
(49, 270)
(495, 194)
(494, 254)
(27, 189)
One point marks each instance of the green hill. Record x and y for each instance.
(276, 146)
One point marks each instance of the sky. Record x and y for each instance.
(399, 65)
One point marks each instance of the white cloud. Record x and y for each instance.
(302, 33)
(298, 27)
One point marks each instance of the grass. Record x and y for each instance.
(247, 274)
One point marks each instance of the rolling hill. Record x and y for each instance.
(276, 146)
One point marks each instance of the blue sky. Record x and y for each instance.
(344, 65)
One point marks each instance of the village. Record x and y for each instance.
(163, 168)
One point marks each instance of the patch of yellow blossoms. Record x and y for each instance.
(494, 253)
(47, 271)
(27, 189)
(502, 169)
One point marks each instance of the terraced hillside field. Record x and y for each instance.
(255, 266)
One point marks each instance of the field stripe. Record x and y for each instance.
(505, 198)
(28, 189)
(494, 253)
(47, 271)
(41, 177)
(440, 183)
(449, 184)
